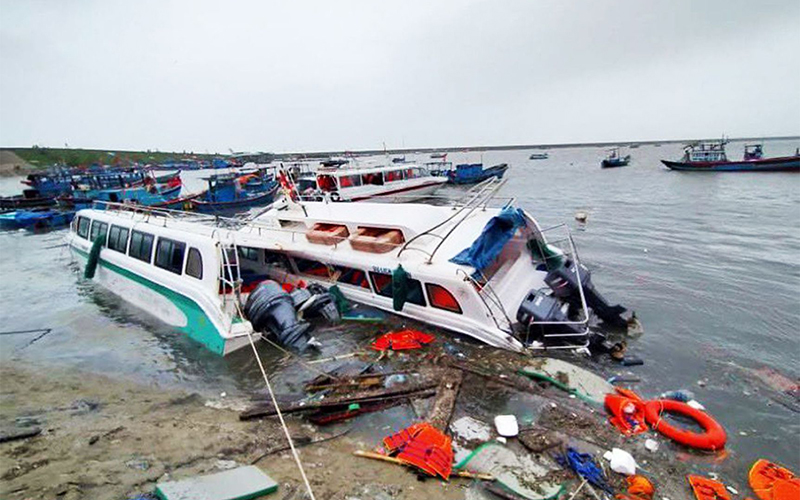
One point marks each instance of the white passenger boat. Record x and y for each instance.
(358, 183)
(195, 272)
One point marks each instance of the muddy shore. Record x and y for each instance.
(106, 438)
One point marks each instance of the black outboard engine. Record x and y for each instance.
(564, 282)
(270, 308)
(541, 305)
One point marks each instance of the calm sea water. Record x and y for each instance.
(709, 262)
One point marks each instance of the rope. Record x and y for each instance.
(275, 404)
(280, 417)
(299, 359)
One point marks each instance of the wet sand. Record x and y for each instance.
(106, 438)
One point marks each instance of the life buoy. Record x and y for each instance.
(712, 438)
(335, 196)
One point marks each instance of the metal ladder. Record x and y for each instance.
(477, 196)
(230, 277)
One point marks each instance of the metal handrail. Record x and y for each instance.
(483, 192)
(499, 304)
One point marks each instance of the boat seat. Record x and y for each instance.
(376, 239)
(327, 234)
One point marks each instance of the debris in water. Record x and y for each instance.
(234, 484)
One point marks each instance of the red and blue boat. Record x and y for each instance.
(711, 157)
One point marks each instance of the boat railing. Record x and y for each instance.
(571, 252)
(477, 197)
(491, 301)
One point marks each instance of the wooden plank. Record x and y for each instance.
(394, 460)
(403, 391)
(15, 434)
(445, 402)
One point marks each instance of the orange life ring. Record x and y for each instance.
(713, 438)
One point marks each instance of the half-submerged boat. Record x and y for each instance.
(473, 173)
(489, 273)
(539, 156)
(711, 157)
(614, 159)
(388, 182)
(36, 219)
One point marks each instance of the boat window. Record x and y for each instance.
(394, 175)
(248, 253)
(169, 255)
(118, 238)
(327, 183)
(350, 276)
(141, 246)
(83, 227)
(349, 181)
(375, 179)
(312, 267)
(99, 229)
(441, 298)
(277, 260)
(194, 264)
(410, 174)
(383, 286)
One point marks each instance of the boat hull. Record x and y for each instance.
(496, 171)
(222, 207)
(785, 164)
(19, 201)
(401, 195)
(165, 303)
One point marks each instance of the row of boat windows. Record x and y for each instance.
(169, 254)
(438, 296)
(328, 182)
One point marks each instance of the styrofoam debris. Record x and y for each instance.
(651, 444)
(621, 461)
(694, 404)
(506, 425)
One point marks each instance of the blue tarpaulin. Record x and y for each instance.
(497, 232)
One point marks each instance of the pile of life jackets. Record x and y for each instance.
(424, 447)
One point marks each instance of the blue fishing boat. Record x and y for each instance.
(711, 157)
(226, 194)
(37, 219)
(472, 173)
(144, 195)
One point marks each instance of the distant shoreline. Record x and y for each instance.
(516, 147)
(21, 153)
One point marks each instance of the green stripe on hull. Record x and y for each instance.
(199, 326)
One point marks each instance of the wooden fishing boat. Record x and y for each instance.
(225, 195)
(30, 198)
(539, 156)
(614, 159)
(475, 172)
(36, 219)
(711, 157)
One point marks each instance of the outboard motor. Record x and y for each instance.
(270, 308)
(564, 282)
(542, 305)
(315, 301)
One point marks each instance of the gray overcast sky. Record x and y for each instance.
(320, 75)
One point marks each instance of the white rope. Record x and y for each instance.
(272, 397)
(280, 416)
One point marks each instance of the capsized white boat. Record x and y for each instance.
(469, 268)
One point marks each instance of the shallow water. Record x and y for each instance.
(709, 262)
